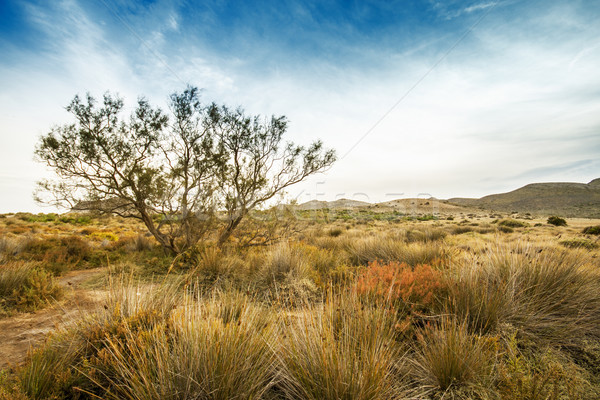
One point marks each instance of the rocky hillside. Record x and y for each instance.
(560, 198)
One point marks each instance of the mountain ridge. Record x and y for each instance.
(567, 199)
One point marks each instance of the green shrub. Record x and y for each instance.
(592, 230)
(512, 223)
(335, 232)
(26, 287)
(541, 374)
(557, 221)
(58, 253)
(579, 244)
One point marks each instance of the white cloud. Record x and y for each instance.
(508, 100)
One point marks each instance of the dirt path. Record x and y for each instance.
(19, 332)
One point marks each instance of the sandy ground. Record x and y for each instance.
(20, 332)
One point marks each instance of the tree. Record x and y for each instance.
(257, 166)
(176, 173)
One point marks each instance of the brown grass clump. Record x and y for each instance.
(549, 295)
(142, 346)
(450, 360)
(341, 350)
(363, 251)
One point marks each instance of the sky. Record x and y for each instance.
(419, 98)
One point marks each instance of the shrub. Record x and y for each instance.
(557, 221)
(110, 236)
(415, 289)
(512, 223)
(341, 350)
(11, 246)
(425, 235)
(39, 217)
(459, 230)
(540, 374)
(450, 360)
(479, 300)
(549, 297)
(142, 347)
(137, 243)
(285, 259)
(58, 253)
(335, 232)
(208, 350)
(579, 244)
(505, 229)
(363, 251)
(25, 287)
(592, 230)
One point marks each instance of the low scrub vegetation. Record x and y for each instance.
(557, 221)
(382, 310)
(26, 287)
(592, 230)
(512, 223)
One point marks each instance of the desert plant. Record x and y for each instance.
(540, 374)
(449, 359)
(512, 223)
(205, 351)
(57, 253)
(26, 287)
(335, 232)
(592, 230)
(412, 289)
(363, 251)
(556, 221)
(505, 229)
(340, 350)
(548, 296)
(140, 346)
(425, 235)
(171, 175)
(579, 244)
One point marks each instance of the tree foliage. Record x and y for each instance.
(185, 174)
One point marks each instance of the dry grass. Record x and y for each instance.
(340, 350)
(475, 315)
(451, 361)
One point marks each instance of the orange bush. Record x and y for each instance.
(417, 288)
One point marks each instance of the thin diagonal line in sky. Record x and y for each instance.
(421, 79)
(144, 43)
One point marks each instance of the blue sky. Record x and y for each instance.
(441, 98)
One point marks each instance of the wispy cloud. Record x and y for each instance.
(517, 100)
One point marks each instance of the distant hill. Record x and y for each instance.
(336, 204)
(404, 206)
(561, 198)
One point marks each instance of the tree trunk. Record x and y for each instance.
(160, 238)
(229, 229)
